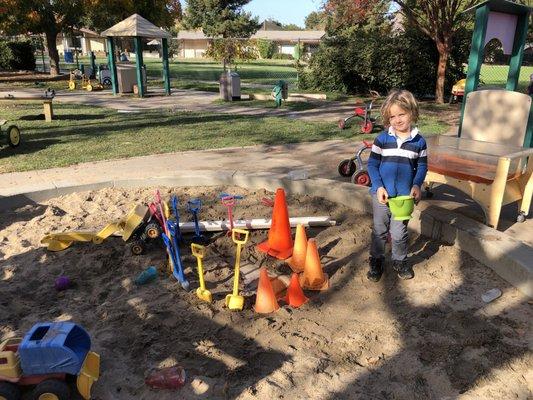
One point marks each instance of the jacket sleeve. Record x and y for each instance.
(422, 165)
(374, 162)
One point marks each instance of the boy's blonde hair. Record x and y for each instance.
(403, 99)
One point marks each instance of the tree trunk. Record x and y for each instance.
(443, 48)
(51, 37)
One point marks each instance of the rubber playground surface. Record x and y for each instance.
(431, 337)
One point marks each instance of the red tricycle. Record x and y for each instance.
(365, 113)
(355, 166)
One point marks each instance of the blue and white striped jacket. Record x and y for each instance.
(397, 164)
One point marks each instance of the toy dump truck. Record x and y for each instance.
(50, 357)
(136, 229)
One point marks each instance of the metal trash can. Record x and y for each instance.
(235, 81)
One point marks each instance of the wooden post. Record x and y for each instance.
(112, 64)
(476, 56)
(166, 71)
(48, 110)
(139, 65)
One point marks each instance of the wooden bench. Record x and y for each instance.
(488, 162)
(47, 98)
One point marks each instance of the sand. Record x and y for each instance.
(428, 338)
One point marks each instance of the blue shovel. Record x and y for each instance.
(174, 205)
(176, 260)
(194, 206)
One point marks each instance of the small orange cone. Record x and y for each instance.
(297, 260)
(313, 277)
(279, 243)
(265, 300)
(295, 295)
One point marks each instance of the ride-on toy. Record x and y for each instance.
(12, 133)
(458, 90)
(50, 357)
(355, 167)
(364, 113)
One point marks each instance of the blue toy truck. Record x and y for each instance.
(49, 357)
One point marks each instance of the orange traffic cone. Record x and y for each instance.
(313, 277)
(297, 260)
(279, 243)
(265, 299)
(295, 295)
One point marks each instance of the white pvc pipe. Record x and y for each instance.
(255, 223)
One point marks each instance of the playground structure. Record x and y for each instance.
(12, 133)
(136, 228)
(491, 158)
(48, 356)
(46, 97)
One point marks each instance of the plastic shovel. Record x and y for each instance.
(173, 250)
(233, 301)
(199, 252)
(229, 202)
(194, 206)
(174, 204)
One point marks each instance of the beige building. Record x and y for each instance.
(193, 44)
(83, 39)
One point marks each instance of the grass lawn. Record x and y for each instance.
(80, 134)
(266, 72)
(496, 75)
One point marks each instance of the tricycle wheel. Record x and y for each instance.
(137, 247)
(361, 178)
(89, 87)
(367, 127)
(342, 124)
(106, 82)
(9, 391)
(346, 168)
(152, 230)
(71, 85)
(13, 136)
(521, 217)
(51, 390)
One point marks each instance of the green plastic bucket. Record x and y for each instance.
(401, 207)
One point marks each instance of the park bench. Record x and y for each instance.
(46, 97)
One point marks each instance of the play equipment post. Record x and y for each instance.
(166, 71)
(112, 64)
(139, 64)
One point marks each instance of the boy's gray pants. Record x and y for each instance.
(398, 231)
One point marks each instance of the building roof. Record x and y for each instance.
(281, 36)
(135, 25)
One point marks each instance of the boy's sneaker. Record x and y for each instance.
(376, 269)
(404, 270)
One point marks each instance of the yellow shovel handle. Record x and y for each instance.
(197, 250)
(236, 233)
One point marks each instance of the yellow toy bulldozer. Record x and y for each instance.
(135, 229)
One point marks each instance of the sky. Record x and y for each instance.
(284, 11)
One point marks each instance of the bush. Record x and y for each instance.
(282, 56)
(357, 60)
(6, 55)
(17, 55)
(266, 48)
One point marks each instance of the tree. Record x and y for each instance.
(345, 13)
(316, 20)
(221, 19)
(37, 16)
(292, 27)
(440, 20)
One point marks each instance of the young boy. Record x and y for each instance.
(397, 166)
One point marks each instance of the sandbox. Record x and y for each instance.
(431, 337)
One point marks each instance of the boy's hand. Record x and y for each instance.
(416, 193)
(382, 195)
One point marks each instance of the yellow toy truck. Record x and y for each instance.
(50, 357)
